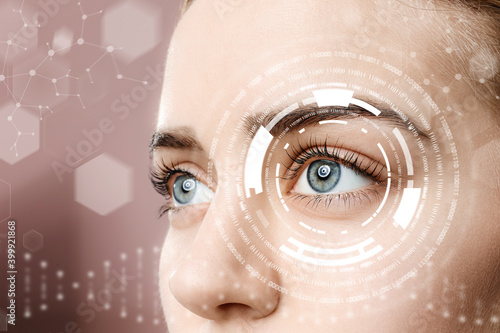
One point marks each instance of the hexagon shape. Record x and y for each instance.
(103, 184)
(132, 26)
(33, 240)
(5, 200)
(63, 40)
(20, 133)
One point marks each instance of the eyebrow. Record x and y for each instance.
(184, 137)
(310, 115)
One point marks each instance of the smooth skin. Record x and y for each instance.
(215, 52)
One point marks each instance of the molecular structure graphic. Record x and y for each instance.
(33, 90)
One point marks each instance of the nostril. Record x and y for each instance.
(238, 310)
(230, 306)
(228, 310)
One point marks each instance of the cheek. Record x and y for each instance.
(165, 270)
(474, 240)
(175, 250)
(482, 190)
(486, 168)
(180, 236)
(170, 257)
(174, 313)
(484, 196)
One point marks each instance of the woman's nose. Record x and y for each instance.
(214, 283)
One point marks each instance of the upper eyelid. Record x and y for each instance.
(161, 174)
(164, 172)
(350, 162)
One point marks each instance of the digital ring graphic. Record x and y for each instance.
(383, 136)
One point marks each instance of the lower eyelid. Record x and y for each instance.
(338, 205)
(187, 216)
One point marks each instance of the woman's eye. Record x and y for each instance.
(187, 190)
(329, 177)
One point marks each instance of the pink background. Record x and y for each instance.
(99, 214)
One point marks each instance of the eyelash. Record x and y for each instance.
(300, 155)
(352, 160)
(160, 179)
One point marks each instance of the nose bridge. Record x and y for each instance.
(220, 274)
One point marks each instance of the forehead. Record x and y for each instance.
(216, 50)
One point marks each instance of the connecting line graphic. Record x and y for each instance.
(18, 98)
(85, 17)
(19, 133)
(10, 42)
(108, 50)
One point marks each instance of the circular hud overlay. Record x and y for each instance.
(393, 197)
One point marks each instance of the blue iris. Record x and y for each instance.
(323, 175)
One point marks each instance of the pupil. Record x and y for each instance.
(323, 175)
(324, 171)
(184, 189)
(188, 185)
